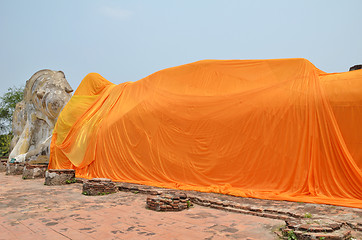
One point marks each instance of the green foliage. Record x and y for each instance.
(291, 235)
(48, 209)
(71, 181)
(7, 107)
(103, 193)
(5, 141)
(308, 215)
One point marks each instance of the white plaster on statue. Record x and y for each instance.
(45, 95)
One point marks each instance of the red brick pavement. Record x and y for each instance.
(31, 210)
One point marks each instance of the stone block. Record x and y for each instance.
(34, 171)
(15, 168)
(59, 176)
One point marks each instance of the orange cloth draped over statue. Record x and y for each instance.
(273, 129)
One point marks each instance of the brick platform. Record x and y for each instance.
(15, 168)
(171, 201)
(59, 176)
(32, 171)
(34, 211)
(99, 186)
(350, 218)
(306, 229)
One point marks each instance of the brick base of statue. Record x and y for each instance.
(15, 168)
(3, 163)
(168, 202)
(59, 176)
(99, 186)
(32, 171)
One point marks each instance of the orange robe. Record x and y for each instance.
(272, 129)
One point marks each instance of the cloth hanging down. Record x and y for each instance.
(273, 129)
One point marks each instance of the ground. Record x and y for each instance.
(31, 210)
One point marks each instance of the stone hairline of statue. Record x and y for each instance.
(355, 67)
(45, 95)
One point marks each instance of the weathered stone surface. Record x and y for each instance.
(99, 186)
(34, 171)
(355, 67)
(59, 176)
(100, 180)
(169, 201)
(15, 168)
(132, 187)
(45, 94)
(3, 165)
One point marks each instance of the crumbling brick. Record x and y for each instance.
(173, 201)
(59, 176)
(99, 186)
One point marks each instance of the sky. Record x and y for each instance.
(128, 40)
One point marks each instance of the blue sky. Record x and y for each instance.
(128, 40)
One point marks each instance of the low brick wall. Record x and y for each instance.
(59, 176)
(170, 201)
(32, 171)
(99, 186)
(15, 168)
